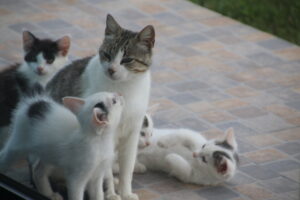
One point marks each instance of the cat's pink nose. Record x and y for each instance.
(111, 71)
(147, 143)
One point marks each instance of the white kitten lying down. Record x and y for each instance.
(186, 154)
(77, 140)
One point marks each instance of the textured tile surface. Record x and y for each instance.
(209, 73)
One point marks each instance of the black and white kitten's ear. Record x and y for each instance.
(112, 27)
(230, 138)
(147, 36)
(153, 108)
(28, 40)
(73, 103)
(99, 117)
(64, 44)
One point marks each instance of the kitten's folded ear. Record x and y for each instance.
(99, 118)
(73, 103)
(230, 138)
(147, 36)
(28, 40)
(64, 44)
(112, 27)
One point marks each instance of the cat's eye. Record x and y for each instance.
(204, 159)
(203, 146)
(126, 60)
(106, 55)
(50, 61)
(143, 134)
(114, 101)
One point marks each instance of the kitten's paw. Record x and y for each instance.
(140, 169)
(131, 196)
(113, 197)
(56, 196)
(162, 145)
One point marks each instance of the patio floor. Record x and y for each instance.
(209, 73)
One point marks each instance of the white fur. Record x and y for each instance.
(136, 89)
(75, 144)
(174, 151)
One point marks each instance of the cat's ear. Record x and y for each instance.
(230, 138)
(147, 36)
(112, 27)
(73, 103)
(153, 108)
(64, 44)
(28, 40)
(99, 118)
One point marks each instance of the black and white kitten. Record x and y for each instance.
(42, 58)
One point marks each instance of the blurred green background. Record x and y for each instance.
(279, 17)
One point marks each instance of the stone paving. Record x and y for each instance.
(209, 73)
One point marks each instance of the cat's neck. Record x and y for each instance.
(31, 76)
(95, 80)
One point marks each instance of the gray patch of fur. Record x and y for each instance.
(67, 82)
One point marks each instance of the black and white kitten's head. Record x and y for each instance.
(220, 155)
(125, 54)
(44, 56)
(146, 132)
(98, 111)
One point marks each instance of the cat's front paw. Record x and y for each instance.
(113, 197)
(140, 169)
(131, 196)
(56, 196)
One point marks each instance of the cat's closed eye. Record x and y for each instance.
(126, 60)
(203, 146)
(105, 55)
(114, 101)
(143, 134)
(204, 159)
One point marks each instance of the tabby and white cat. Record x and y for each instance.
(187, 155)
(121, 65)
(79, 141)
(42, 58)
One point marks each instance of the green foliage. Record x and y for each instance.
(279, 17)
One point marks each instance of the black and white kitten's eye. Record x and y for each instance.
(50, 61)
(143, 134)
(203, 159)
(126, 60)
(203, 146)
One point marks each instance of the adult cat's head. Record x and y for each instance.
(45, 56)
(220, 155)
(125, 54)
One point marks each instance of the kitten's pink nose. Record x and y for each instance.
(111, 71)
(147, 143)
(40, 70)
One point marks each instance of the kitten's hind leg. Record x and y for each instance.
(180, 168)
(95, 188)
(40, 174)
(111, 192)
